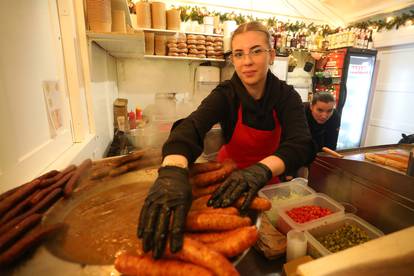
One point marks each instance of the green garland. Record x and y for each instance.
(394, 22)
(197, 14)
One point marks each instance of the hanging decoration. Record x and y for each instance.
(197, 13)
(387, 23)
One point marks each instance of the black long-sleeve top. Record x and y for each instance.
(221, 106)
(323, 135)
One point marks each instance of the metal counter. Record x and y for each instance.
(383, 196)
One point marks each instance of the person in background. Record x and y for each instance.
(323, 120)
(265, 133)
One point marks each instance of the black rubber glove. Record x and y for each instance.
(248, 181)
(169, 198)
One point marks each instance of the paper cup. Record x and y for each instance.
(118, 21)
(296, 244)
(158, 15)
(143, 14)
(173, 19)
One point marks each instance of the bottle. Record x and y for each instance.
(356, 34)
(366, 40)
(283, 38)
(319, 40)
(288, 40)
(325, 44)
(303, 40)
(131, 119)
(370, 41)
(293, 42)
(278, 41)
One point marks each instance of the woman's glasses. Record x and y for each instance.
(253, 53)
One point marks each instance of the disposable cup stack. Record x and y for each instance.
(99, 15)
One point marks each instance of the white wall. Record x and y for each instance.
(392, 107)
(31, 52)
(140, 79)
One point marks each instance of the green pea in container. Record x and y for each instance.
(339, 234)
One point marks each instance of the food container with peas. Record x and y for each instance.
(339, 234)
(284, 193)
(307, 212)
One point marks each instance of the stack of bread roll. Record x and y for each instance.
(214, 47)
(196, 45)
(177, 46)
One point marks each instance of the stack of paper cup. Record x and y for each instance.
(143, 14)
(228, 27)
(173, 19)
(149, 43)
(158, 15)
(208, 22)
(118, 21)
(226, 44)
(99, 15)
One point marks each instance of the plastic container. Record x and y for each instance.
(285, 223)
(316, 249)
(284, 193)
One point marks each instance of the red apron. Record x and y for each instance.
(248, 146)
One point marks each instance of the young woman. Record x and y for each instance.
(323, 120)
(265, 133)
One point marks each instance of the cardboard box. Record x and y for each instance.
(120, 110)
(289, 268)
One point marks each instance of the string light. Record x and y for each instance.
(389, 19)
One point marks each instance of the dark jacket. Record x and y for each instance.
(323, 135)
(221, 106)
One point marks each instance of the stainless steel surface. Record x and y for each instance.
(383, 196)
(255, 264)
(410, 168)
(43, 262)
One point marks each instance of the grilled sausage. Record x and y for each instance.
(236, 242)
(18, 229)
(70, 185)
(27, 242)
(215, 222)
(197, 168)
(147, 266)
(208, 178)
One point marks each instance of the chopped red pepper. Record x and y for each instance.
(307, 213)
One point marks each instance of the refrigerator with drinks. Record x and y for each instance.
(348, 73)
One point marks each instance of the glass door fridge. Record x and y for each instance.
(347, 73)
(354, 96)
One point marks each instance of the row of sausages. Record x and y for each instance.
(212, 234)
(22, 208)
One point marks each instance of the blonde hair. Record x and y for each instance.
(251, 26)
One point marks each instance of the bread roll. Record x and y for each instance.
(200, 42)
(172, 50)
(181, 45)
(193, 51)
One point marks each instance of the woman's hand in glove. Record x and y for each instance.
(248, 180)
(169, 198)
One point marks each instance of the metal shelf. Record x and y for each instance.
(121, 45)
(184, 58)
(175, 31)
